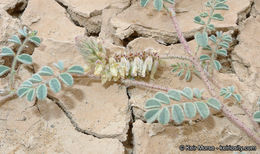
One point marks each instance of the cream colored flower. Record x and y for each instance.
(154, 68)
(99, 67)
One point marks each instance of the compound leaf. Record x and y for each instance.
(164, 116)
(174, 94)
(144, 2)
(152, 103)
(227, 95)
(214, 103)
(257, 116)
(151, 115)
(221, 6)
(3, 69)
(197, 93)
(187, 92)
(202, 109)
(46, 71)
(41, 92)
(6, 51)
(158, 4)
(15, 39)
(23, 31)
(25, 58)
(222, 52)
(59, 65)
(224, 44)
(204, 57)
(55, 85)
(198, 20)
(227, 38)
(218, 16)
(66, 78)
(213, 38)
(189, 110)
(211, 27)
(27, 84)
(36, 78)
(30, 94)
(237, 97)
(163, 98)
(170, 1)
(217, 65)
(36, 40)
(177, 114)
(202, 39)
(22, 91)
(188, 75)
(204, 15)
(76, 69)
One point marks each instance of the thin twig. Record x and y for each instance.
(74, 123)
(175, 57)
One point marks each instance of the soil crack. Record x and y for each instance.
(128, 144)
(75, 124)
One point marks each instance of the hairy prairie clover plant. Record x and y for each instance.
(119, 65)
(37, 85)
(18, 56)
(161, 109)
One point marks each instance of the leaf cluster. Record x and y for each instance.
(28, 36)
(230, 92)
(158, 4)
(159, 107)
(36, 86)
(184, 70)
(221, 43)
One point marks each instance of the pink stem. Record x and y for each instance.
(224, 109)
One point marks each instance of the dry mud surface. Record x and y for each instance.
(104, 119)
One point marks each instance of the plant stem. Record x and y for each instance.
(224, 109)
(175, 57)
(13, 71)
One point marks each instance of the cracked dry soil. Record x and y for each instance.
(91, 118)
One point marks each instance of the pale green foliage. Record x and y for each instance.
(158, 4)
(221, 42)
(119, 65)
(184, 70)
(37, 87)
(28, 36)
(202, 39)
(230, 92)
(256, 116)
(159, 107)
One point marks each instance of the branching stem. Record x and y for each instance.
(204, 77)
(13, 71)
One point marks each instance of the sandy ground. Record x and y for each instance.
(104, 119)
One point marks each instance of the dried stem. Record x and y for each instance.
(195, 61)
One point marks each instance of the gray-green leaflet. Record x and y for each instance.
(37, 87)
(158, 4)
(160, 108)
